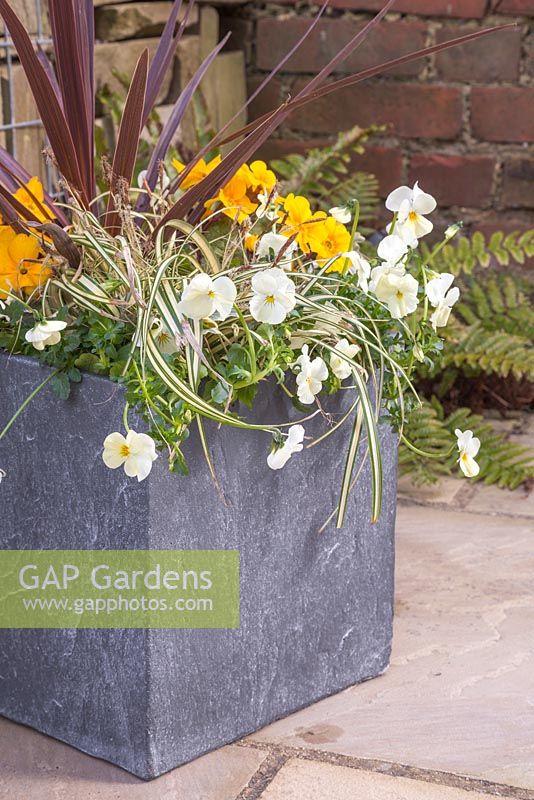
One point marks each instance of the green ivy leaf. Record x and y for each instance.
(61, 385)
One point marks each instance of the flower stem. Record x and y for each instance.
(250, 343)
(424, 453)
(27, 401)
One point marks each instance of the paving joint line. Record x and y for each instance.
(463, 782)
(264, 775)
(406, 502)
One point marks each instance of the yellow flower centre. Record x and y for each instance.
(464, 456)
(211, 294)
(270, 299)
(125, 450)
(412, 216)
(400, 295)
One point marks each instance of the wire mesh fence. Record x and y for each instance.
(21, 130)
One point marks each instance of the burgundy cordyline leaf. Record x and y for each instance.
(128, 136)
(350, 80)
(256, 131)
(321, 77)
(197, 195)
(15, 177)
(172, 124)
(72, 49)
(345, 52)
(164, 54)
(16, 210)
(50, 110)
(52, 77)
(213, 143)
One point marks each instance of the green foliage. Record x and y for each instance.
(490, 334)
(428, 428)
(492, 330)
(324, 174)
(464, 254)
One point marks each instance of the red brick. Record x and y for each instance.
(502, 114)
(267, 100)
(413, 110)
(514, 7)
(485, 61)
(454, 180)
(277, 35)
(384, 162)
(429, 8)
(518, 183)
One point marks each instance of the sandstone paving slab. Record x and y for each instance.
(313, 780)
(459, 694)
(36, 767)
(444, 491)
(492, 500)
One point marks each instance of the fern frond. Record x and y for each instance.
(477, 350)
(323, 174)
(463, 255)
(501, 462)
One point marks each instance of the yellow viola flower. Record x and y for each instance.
(26, 195)
(261, 178)
(251, 241)
(329, 238)
(21, 269)
(200, 171)
(234, 196)
(298, 218)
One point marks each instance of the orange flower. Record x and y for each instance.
(234, 196)
(200, 171)
(20, 267)
(32, 197)
(250, 241)
(299, 219)
(261, 179)
(329, 239)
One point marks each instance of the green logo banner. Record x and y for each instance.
(119, 588)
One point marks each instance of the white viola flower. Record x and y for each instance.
(267, 206)
(360, 266)
(399, 293)
(166, 339)
(293, 444)
(135, 452)
(162, 183)
(3, 307)
(274, 243)
(452, 230)
(411, 207)
(339, 366)
(392, 252)
(204, 297)
(273, 296)
(44, 334)
(468, 445)
(341, 214)
(310, 377)
(442, 298)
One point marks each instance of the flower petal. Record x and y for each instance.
(397, 197)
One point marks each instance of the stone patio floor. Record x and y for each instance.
(452, 718)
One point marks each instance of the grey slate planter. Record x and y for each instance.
(316, 610)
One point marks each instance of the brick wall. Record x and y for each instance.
(462, 121)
